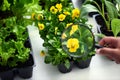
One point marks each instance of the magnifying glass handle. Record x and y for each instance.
(98, 46)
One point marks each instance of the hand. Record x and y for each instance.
(111, 49)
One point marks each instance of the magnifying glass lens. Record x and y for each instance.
(77, 40)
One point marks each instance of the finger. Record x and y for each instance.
(98, 51)
(108, 40)
(107, 51)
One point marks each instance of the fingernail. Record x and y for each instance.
(98, 51)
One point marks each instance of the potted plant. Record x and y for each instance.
(51, 25)
(15, 54)
(109, 13)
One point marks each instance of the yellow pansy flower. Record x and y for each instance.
(61, 17)
(41, 26)
(33, 16)
(53, 10)
(59, 7)
(73, 44)
(74, 28)
(40, 17)
(75, 13)
(64, 36)
(42, 53)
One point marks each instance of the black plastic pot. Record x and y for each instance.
(63, 69)
(83, 63)
(7, 75)
(23, 70)
(26, 70)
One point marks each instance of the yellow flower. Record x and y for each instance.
(64, 36)
(74, 28)
(75, 13)
(59, 7)
(41, 26)
(33, 16)
(69, 24)
(53, 10)
(42, 53)
(61, 17)
(40, 16)
(73, 44)
(66, 13)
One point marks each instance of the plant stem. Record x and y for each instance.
(102, 13)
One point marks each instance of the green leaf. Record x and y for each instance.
(111, 9)
(19, 46)
(115, 24)
(118, 1)
(85, 9)
(67, 64)
(99, 35)
(48, 59)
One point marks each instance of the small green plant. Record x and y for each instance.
(13, 32)
(12, 39)
(107, 9)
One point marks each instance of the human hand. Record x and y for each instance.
(111, 49)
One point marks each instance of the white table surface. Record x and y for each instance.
(100, 67)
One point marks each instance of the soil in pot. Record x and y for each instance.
(83, 63)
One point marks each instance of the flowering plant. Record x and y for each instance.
(51, 25)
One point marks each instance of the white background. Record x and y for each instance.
(100, 68)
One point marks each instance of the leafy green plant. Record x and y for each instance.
(51, 24)
(107, 10)
(13, 32)
(12, 49)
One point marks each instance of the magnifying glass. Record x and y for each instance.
(78, 40)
